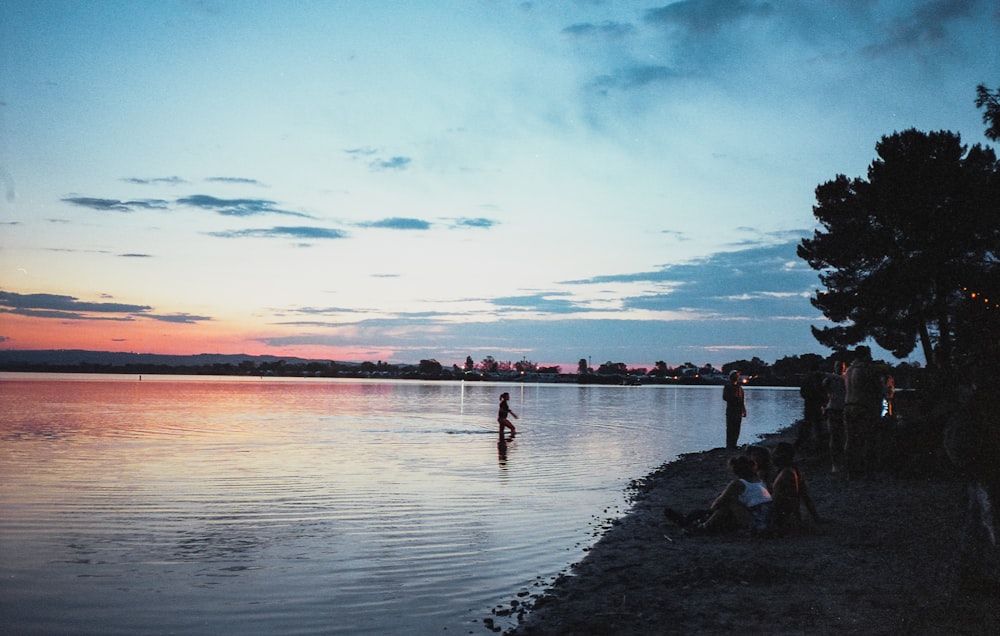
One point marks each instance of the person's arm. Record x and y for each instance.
(731, 493)
(807, 500)
(515, 415)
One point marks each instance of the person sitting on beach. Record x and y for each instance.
(790, 492)
(744, 504)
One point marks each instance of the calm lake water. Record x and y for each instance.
(204, 505)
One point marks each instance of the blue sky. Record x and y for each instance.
(622, 181)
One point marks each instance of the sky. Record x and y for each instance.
(397, 181)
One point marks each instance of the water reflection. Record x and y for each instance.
(503, 444)
(123, 501)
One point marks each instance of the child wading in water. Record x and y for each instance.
(504, 412)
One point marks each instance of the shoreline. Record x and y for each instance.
(883, 562)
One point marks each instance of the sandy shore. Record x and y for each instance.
(884, 563)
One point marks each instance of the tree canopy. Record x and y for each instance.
(990, 103)
(898, 251)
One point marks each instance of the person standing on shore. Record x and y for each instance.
(836, 386)
(862, 412)
(503, 413)
(736, 408)
(812, 437)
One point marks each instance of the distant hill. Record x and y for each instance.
(69, 357)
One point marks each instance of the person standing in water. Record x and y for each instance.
(504, 412)
(736, 408)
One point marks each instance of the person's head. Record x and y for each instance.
(761, 456)
(863, 353)
(839, 367)
(743, 467)
(734, 376)
(783, 455)
(505, 396)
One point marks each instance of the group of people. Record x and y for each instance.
(844, 411)
(766, 497)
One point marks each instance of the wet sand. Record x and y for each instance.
(884, 562)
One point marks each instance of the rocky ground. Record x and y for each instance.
(884, 562)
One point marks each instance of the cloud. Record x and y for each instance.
(635, 77)
(361, 152)
(479, 222)
(706, 16)
(237, 207)
(398, 223)
(133, 255)
(379, 163)
(545, 302)
(760, 281)
(183, 319)
(155, 181)
(64, 307)
(64, 303)
(392, 163)
(63, 315)
(926, 24)
(116, 205)
(607, 29)
(302, 232)
(235, 180)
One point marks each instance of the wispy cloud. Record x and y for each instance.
(927, 24)
(707, 16)
(235, 180)
(237, 207)
(66, 307)
(398, 223)
(479, 222)
(607, 29)
(633, 77)
(155, 181)
(299, 232)
(392, 163)
(375, 162)
(550, 303)
(759, 280)
(116, 205)
(361, 152)
(183, 319)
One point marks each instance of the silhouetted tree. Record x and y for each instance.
(525, 366)
(896, 249)
(469, 364)
(749, 368)
(612, 368)
(489, 365)
(429, 367)
(990, 103)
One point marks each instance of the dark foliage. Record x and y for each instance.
(898, 250)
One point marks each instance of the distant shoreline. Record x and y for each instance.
(106, 362)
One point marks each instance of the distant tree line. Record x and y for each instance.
(788, 371)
